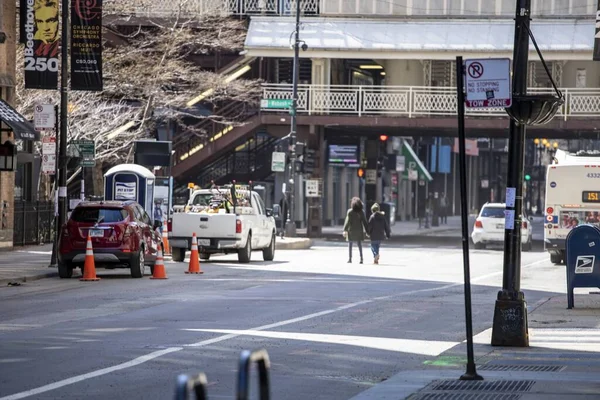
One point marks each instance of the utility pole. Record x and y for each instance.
(290, 228)
(62, 149)
(510, 313)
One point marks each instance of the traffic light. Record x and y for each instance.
(527, 177)
(360, 173)
(383, 138)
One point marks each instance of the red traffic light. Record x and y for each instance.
(383, 138)
(360, 172)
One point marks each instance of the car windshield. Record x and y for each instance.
(203, 199)
(93, 214)
(492, 212)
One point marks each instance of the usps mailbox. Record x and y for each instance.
(583, 259)
(130, 182)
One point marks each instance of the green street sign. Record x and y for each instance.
(276, 103)
(86, 151)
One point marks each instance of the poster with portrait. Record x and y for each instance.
(86, 45)
(41, 37)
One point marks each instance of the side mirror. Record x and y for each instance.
(269, 212)
(276, 210)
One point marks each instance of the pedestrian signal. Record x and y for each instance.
(360, 173)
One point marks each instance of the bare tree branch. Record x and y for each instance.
(150, 78)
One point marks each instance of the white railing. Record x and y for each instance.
(410, 101)
(196, 8)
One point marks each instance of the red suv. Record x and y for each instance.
(122, 237)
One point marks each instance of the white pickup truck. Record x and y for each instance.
(222, 227)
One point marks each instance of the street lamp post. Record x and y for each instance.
(290, 225)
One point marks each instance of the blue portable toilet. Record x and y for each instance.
(130, 182)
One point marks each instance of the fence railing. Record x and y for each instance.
(409, 101)
(33, 223)
(195, 8)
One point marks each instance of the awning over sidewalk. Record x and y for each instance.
(22, 128)
(397, 39)
(412, 162)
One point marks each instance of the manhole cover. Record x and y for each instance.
(465, 396)
(526, 368)
(481, 386)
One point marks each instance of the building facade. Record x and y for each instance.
(374, 68)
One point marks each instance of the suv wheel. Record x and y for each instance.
(65, 271)
(137, 264)
(205, 256)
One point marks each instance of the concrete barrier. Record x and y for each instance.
(293, 243)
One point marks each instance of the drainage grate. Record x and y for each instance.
(526, 368)
(481, 386)
(465, 396)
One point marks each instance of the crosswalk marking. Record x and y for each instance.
(413, 346)
(580, 339)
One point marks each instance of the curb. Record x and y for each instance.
(28, 278)
(303, 244)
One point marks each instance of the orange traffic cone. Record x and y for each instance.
(89, 267)
(194, 267)
(159, 267)
(165, 240)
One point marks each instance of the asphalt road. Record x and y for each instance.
(332, 329)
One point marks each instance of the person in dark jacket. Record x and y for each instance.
(355, 227)
(378, 229)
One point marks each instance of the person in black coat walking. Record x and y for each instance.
(378, 229)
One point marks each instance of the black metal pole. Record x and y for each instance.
(290, 228)
(54, 256)
(62, 150)
(510, 313)
(471, 373)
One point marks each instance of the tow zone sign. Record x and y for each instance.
(487, 83)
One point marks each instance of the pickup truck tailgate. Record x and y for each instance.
(212, 226)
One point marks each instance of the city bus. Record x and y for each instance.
(572, 198)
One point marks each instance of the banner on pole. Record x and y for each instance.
(41, 37)
(86, 45)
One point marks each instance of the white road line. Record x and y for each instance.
(160, 353)
(93, 374)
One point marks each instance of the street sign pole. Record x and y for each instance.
(290, 226)
(471, 373)
(57, 226)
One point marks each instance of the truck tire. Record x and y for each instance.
(205, 256)
(245, 254)
(555, 258)
(137, 264)
(177, 254)
(65, 271)
(269, 252)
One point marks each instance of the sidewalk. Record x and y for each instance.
(26, 264)
(562, 362)
(405, 228)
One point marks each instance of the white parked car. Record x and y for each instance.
(489, 227)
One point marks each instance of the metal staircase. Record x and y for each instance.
(250, 161)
